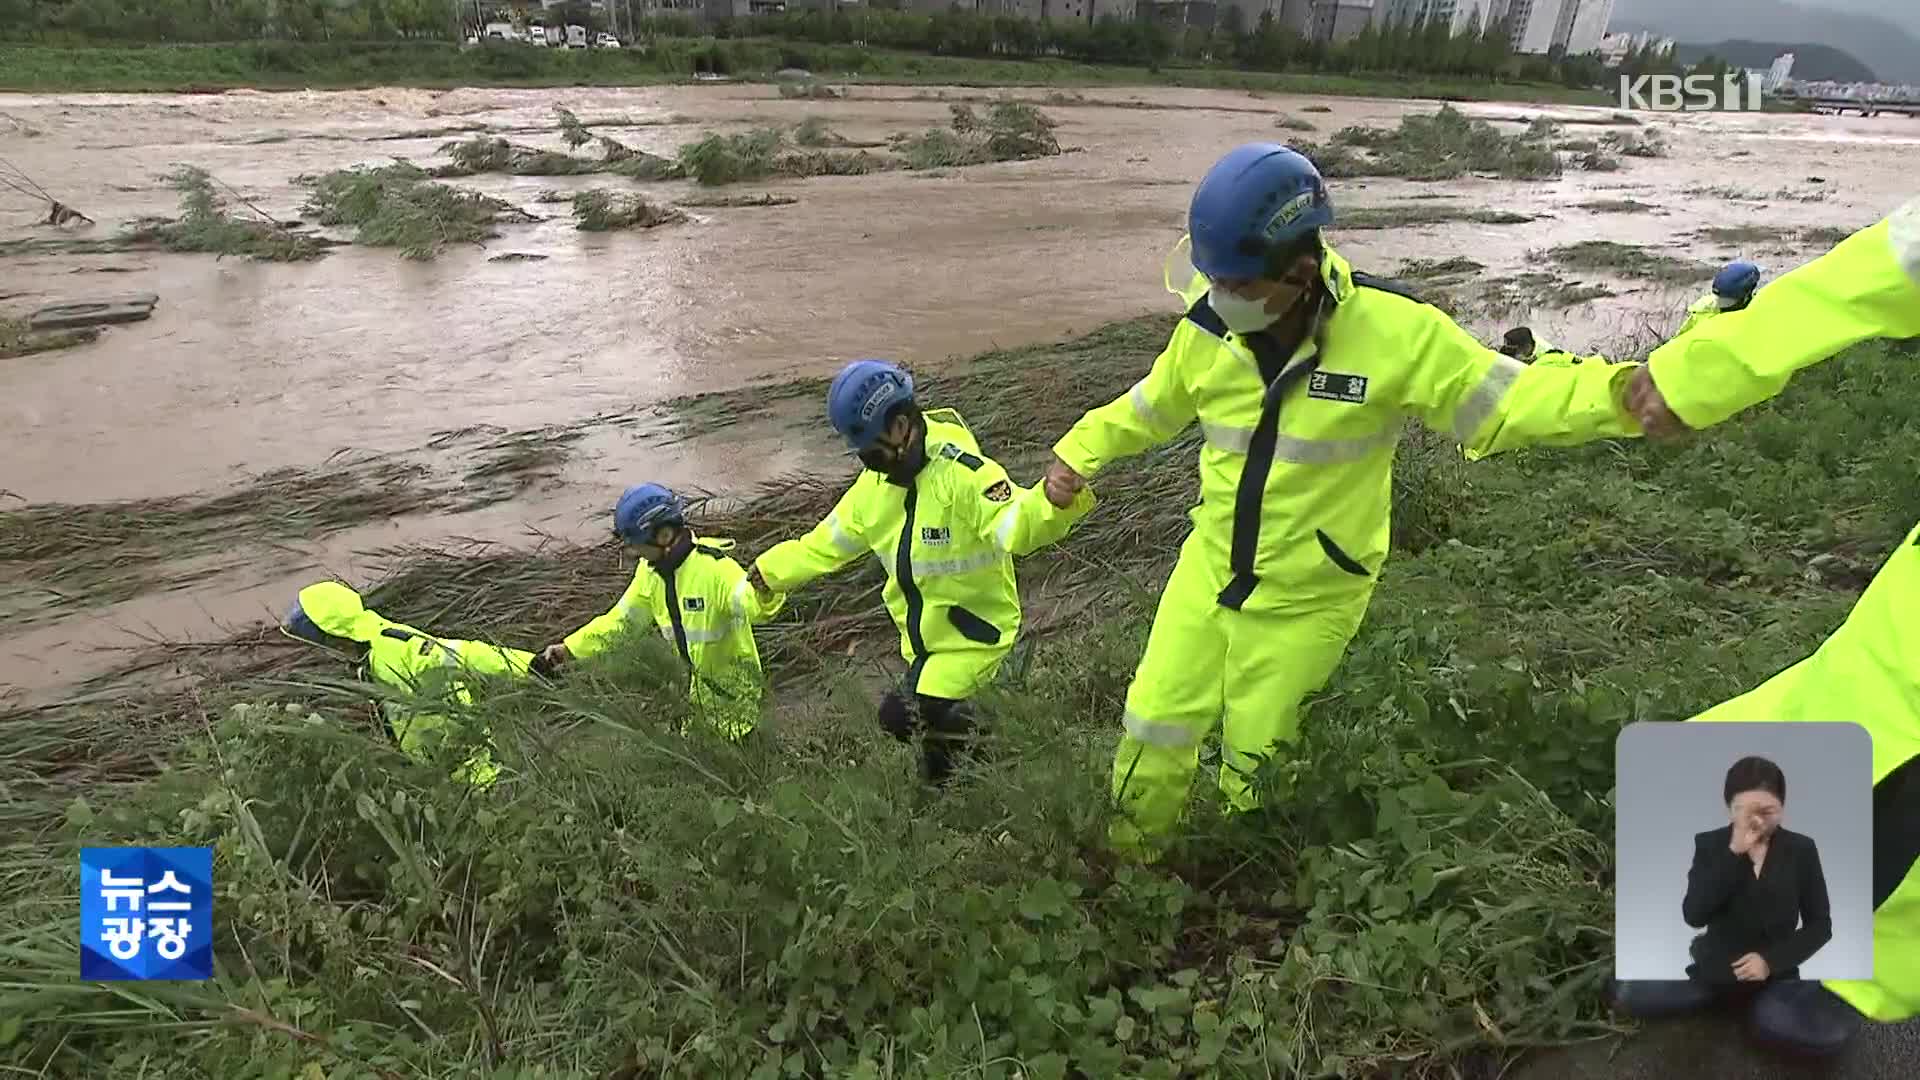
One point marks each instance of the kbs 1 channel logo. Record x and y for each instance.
(146, 913)
(1733, 92)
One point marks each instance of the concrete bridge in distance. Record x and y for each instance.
(1863, 106)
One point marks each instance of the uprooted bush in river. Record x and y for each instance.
(397, 206)
(1010, 131)
(491, 154)
(207, 224)
(605, 211)
(765, 152)
(1444, 145)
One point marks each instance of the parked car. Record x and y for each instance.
(606, 41)
(576, 37)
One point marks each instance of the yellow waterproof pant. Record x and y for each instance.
(420, 733)
(1207, 665)
(732, 708)
(1868, 672)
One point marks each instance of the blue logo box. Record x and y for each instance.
(146, 913)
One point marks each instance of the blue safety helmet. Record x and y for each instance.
(1259, 199)
(860, 398)
(1735, 282)
(643, 509)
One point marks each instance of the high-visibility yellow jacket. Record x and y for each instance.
(706, 610)
(1295, 498)
(947, 543)
(418, 663)
(1856, 292)
(1702, 309)
(1868, 672)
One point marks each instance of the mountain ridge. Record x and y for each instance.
(1888, 46)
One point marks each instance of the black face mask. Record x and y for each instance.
(676, 554)
(899, 466)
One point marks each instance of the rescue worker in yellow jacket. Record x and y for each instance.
(1733, 288)
(697, 596)
(1868, 671)
(945, 522)
(430, 668)
(1302, 374)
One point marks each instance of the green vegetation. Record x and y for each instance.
(1424, 213)
(397, 206)
(1618, 206)
(1819, 237)
(1460, 287)
(208, 225)
(674, 52)
(17, 340)
(1444, 145)
(1625, 260)
(1429, 889)
(1010, 131)
(732, 201)
(605, 211)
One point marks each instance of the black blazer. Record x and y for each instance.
(1742, 913)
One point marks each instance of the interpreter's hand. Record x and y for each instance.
(1751, 968)
(1649, 406)
(1062, 483)
(1748, 834)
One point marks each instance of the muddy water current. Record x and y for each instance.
(248, 367)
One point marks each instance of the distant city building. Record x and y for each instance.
(1779, 73)
(1340, 20)
(1614, 48)
(1856, 91)
(1297, 16)
(1456, 14)
(1587, 25)
(1534, 23)
(1180, 14)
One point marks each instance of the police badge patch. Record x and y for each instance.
(1000, 492)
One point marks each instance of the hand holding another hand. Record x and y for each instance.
(1649, 406)
(1062, 483)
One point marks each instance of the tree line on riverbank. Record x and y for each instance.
(1422, 48)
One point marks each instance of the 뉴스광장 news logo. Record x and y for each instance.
(146, 913)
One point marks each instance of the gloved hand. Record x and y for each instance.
(548, 663)
(1518, 343)
(1735, 284)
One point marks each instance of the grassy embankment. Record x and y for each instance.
(285, 65)
(1432, 884)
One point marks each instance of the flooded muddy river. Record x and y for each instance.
(248, 367)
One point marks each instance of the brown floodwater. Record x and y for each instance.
(247, 367)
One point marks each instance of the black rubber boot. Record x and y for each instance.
(896, 717)
(1804, 1017)
(948, 735)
